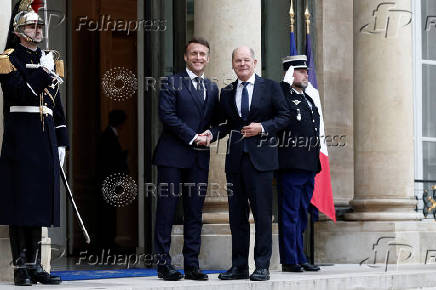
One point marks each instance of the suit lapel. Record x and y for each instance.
(191, 89)
(208, 87)
(233, 105)
(256, 99)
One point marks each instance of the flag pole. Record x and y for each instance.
(292, 44)
(312, 223)
(47, 40)
(307, 16)
(291, 17)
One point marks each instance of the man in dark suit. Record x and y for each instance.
(299, 162)
(187, 106)
(111, 159)
(250, 106)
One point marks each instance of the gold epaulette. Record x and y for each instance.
(59, 63)
(5, 63)
(60, 68)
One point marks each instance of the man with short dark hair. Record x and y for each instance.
(187, 105)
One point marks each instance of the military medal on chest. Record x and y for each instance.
(298, 115)
(296, 102)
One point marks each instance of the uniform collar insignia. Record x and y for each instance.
(296, 102)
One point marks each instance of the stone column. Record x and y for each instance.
(335, 79)
(5, 257)
(384, 227)
(226, 25)
(383, 112)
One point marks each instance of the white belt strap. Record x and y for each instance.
(30, 109)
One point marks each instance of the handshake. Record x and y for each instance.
(204, 138)
(251, 130)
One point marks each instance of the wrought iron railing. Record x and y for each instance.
(425, 194)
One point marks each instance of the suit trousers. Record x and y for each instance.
(250, 189)
(294, 195)
(191, 185)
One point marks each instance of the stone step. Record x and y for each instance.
(335, 277)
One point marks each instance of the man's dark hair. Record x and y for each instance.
(117, 117)
(199, 40)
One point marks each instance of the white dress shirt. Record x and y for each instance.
(250, 89)
(192, 76)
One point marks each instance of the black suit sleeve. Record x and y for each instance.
(221, 127)
(15, 84)
(168, 115)
(281, 108)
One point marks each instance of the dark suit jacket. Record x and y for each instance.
(111, 158)
(268, 107)
(299, 142)
(183, 115)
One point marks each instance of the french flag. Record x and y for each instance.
(322, 194)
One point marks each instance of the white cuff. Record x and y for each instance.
(31, 89)
(193, 139)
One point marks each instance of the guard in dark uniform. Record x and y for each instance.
(34, 142)
(299, 163)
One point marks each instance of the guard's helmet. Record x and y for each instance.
(26, 16)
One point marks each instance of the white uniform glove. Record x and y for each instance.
(289, 76)
(61, 150)
(47, 61)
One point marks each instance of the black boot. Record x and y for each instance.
(168, 273)
(21, 277)
(37, 274)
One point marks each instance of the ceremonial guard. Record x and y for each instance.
(34, 142)
(299, 162)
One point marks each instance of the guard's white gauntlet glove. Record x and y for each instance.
(47, 61)
(61, 150)
(289, 76)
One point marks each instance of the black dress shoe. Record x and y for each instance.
(37, 274)
(21, 277)
(291, 268)
(310, 267)
(195, 274)
(234, 273)
(260, 274)
(168, 273)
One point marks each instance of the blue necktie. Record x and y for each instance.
(245, 105)
(245, 109)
